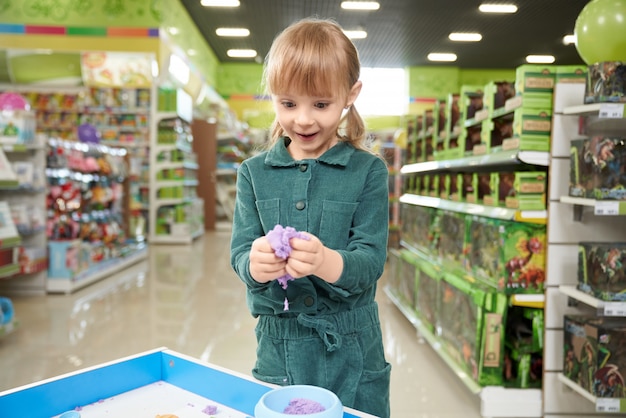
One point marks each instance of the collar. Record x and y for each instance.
(278, 155)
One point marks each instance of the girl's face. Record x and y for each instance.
(311, 122)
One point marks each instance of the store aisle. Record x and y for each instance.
(188, 299)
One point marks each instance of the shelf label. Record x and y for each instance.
(607, 405)
(608, 208)
(615, 309)
(611, 111)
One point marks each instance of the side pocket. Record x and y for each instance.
(336, 222)
(270, 364)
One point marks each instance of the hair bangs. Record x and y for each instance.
(309, 64)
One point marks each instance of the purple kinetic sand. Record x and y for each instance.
(302, 406)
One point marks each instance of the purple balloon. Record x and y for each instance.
(88, 133)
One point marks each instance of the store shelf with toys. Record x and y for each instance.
(116, 117)
(475, 221)
(22, 192)
(85, 224)
(176, 211)
(586, 315)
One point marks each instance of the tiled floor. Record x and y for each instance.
(188, 299)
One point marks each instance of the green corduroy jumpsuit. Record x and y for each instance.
(331, 335)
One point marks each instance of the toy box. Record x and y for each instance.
(496, 94)
(470, 102)
(581, 168)
(393, 269)
(606, 82)
(523, 190)
(407, 278)
(484, 259)
(419, 225)
(497, 131)
(523, 257)
(17, 127)
(508, 255)
(598, 168)
(442, 186)
(487, 188)
(535, 84)
(468, 188)
(453, 184)
(452, 234)
(523, 347)
(594, 354)
(453, 118)
(602, 270)
(433, 185)
(428, 278)
(64, 259)
(470, 324)
(531, 130)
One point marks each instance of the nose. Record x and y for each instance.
(304, 117)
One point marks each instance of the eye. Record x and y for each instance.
(288, 104)
(321, 105)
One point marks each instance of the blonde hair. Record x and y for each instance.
(313, 56)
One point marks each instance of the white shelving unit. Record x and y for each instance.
(26, 198)
(571, 221)
(176, 212)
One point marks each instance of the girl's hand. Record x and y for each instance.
(264, 265)
(311, 257)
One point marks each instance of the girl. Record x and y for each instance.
(319, 179)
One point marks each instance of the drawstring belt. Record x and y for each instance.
(326, 330)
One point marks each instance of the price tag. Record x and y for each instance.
(606, 208)
(607, 405)
(615, 309)
(611, 110)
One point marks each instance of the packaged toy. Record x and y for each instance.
(601, 270)
(606, 82)
(594, 356)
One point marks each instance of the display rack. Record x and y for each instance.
(25, 193)
(600, 222)
(176, 212)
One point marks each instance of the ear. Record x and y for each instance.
(354, 93)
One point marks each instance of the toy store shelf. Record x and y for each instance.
(433, 342)
(21, 147)
(183, 182)
(8, 328)
(603, 308)
(503, 158)
(529, 301)
(496, 401)
(606, 405)
(600, 207)
(105, 269)
(537, 217)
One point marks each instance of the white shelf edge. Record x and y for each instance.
(585, 109)
(512, 157)
(473, 209)
(580, 296)
(538, 298)
(62, 285)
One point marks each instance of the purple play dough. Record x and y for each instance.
(302, 406)
(279, 241)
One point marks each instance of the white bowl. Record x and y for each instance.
(273, 403)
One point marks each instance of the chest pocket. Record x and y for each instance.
(269, 212)
(336, 222)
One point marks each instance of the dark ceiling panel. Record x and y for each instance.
(402, 32)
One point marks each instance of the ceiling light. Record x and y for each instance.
(569, 39)
(355, 34)
(497, 8)
(465, 37)
(173, 31)
(239, 32)
(360, 5)
(241, 53)
(540, 59)
(220, 3)
(443, 57)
